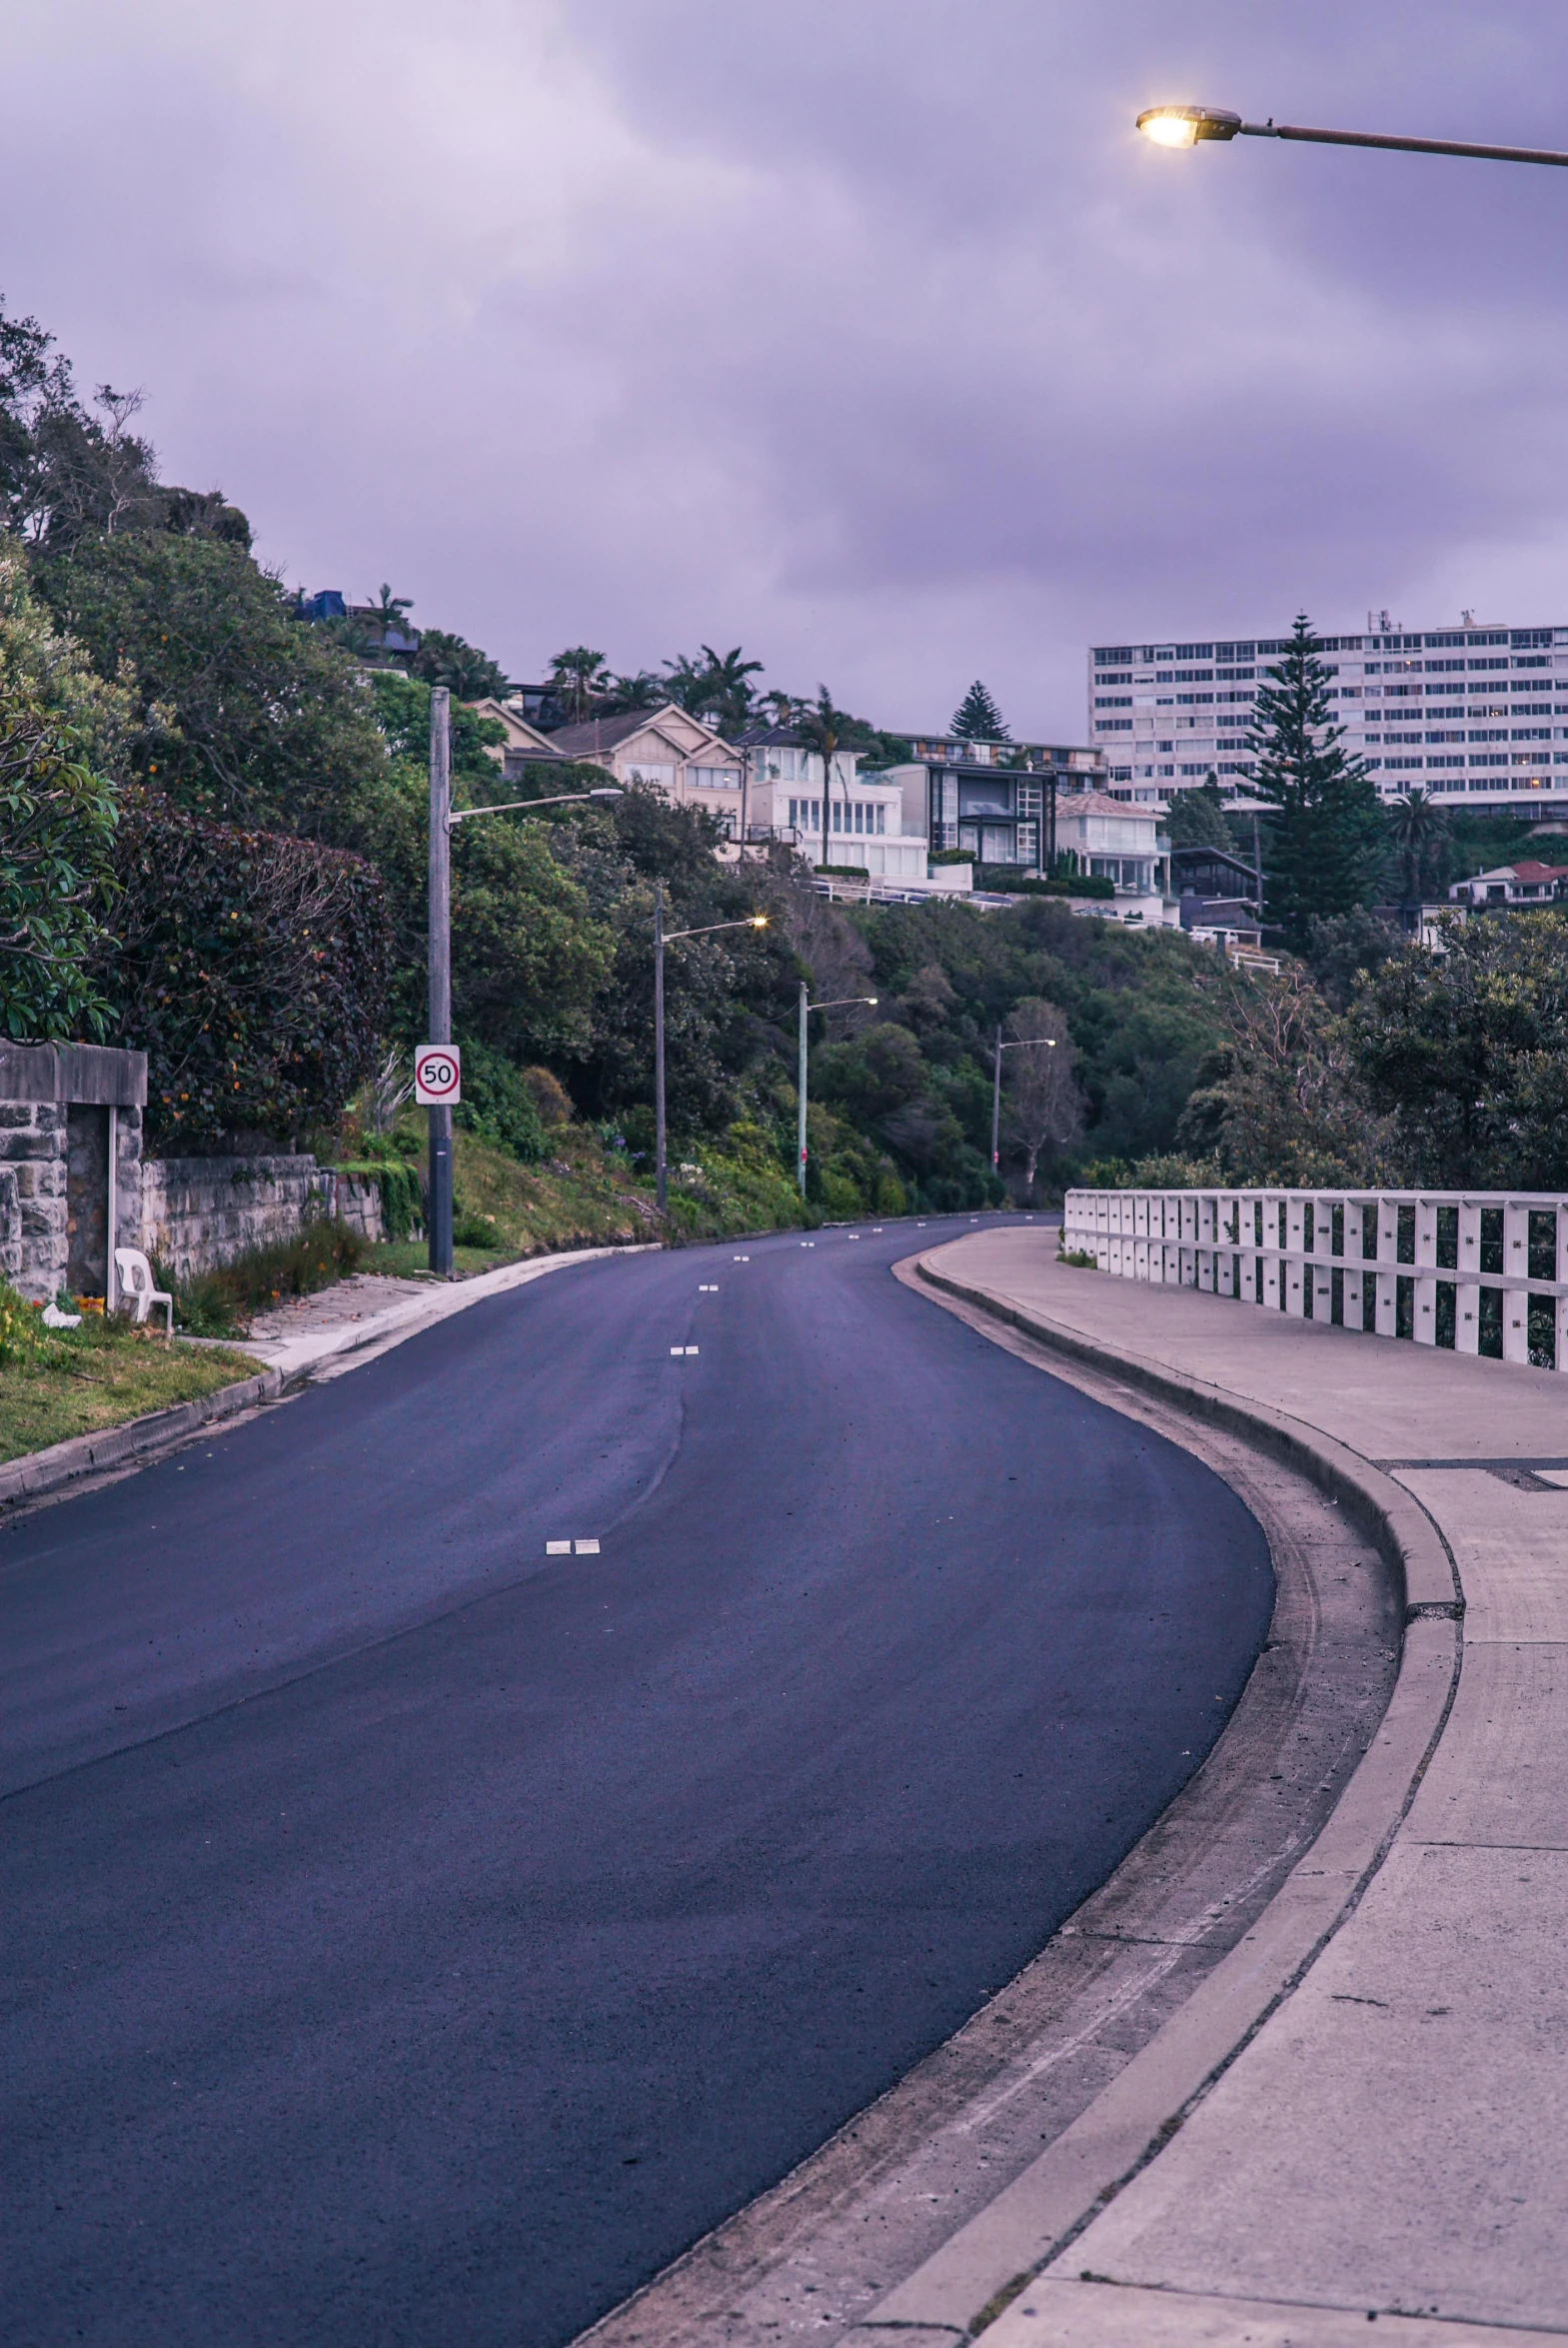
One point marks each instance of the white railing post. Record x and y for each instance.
(1425, 1327)
(1322, 1268)
(1516, 1266)
(1560, 1316)
(1387, 1212)
(1467, 1288)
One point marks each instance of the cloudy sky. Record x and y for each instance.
(864, 333)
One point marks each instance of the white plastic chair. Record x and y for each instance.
(136, 1286)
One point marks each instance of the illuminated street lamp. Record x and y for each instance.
(839, 1002)
(661, 940)
(1185, 126)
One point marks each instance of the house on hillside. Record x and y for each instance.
(1525, 883)
(783, 801)
(525, 744)
(1120, 842)
(679, 756)
(997, 799)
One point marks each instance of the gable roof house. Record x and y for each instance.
(525, 744)
(676, 752)
(1525, 883)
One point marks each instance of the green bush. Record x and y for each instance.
(499, 1104)
(402, 1197)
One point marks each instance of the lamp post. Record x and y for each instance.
(443, 822)
(1186, 126)
(1049, 1043)
(662, 938)
(839, 1002)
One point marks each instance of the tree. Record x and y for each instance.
(1197, 819)
(977, 719)
(1467, 1052)
(1323, 842)
(465, 671)
(64, 471)
(57, 822)
(578, 676)
(250, 967)
(1418, 828)
(239, 710)
(1044, 1106)
(1279, 1103)
(640, 690)
(827, 730)
(715, 688)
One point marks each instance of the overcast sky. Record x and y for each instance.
(864, 333)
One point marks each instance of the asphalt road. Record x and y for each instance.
(409, 1937)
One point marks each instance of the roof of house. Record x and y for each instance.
(1100, 803)
(1528, 871)
(595, 736)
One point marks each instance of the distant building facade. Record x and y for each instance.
(675, 752)
(1476, 716)
(1525, 883)
(865, 813)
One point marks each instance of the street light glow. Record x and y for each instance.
(1183, 126)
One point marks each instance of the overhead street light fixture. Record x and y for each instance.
(1184, 126)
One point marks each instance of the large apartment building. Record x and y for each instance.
(1472, 715)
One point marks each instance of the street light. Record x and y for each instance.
(750, 921)
(443, 822)
(1185, 126)
(838, 1002)
(1049, 1043)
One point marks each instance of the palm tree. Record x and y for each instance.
(389, 610)
(579, 678)
(715, 688)
(643, 691)
(1419, 826)
(826, 730)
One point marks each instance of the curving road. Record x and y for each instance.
(412, 1936)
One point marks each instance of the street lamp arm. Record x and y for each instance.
(842, 1002)
(752, 922)
(1186, 126)
(1333, 138)
(509, 806)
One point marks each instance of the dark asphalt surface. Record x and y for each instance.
(410, 1937)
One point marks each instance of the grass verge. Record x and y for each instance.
(55, 1383)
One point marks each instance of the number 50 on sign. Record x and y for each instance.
(437, 1075)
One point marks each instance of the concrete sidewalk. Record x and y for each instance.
(1392, 2140)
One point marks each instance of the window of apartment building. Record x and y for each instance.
(1530, 734)
(1113, 701)
(1490, 734)
(662, 776)
(715, 778)
(1113, 724)
(1444, 736)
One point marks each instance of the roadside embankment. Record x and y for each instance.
(1373, 2124)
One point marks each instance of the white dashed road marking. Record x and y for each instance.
(682, 1350)
(586, 1548)
(708, 1288)
(564, 1549)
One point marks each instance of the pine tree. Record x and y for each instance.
(1324, 841)
(977, 719)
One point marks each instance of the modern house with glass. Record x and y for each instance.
(997, 800)
(1477, 715)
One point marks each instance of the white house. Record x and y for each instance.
(1121, 842)
(676, 754)
(865, 812)
(1526, 882)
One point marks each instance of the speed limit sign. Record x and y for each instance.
(437, 1075)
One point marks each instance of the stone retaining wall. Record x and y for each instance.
(200, 1213)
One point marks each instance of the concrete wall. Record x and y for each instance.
(200, 1213)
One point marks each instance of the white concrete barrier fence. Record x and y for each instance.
(1479, 1271)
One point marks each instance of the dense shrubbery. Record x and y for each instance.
(249, 965)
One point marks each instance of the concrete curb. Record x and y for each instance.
(134, 1443)
(974, 2276)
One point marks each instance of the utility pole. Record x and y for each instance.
(661, 1182)
(996, 1103)
(801, 1091)
(440, 971)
